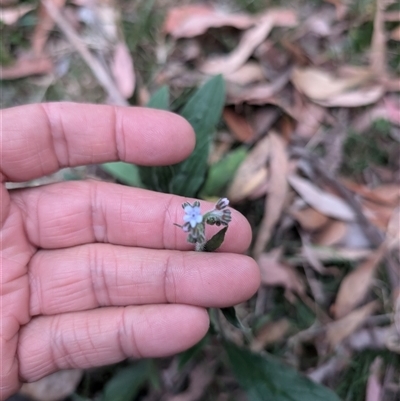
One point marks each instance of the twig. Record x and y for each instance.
(97, 68)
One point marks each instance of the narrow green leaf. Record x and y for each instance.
(160, 99)
(191, 353)
(124, 172)
(203, 111)
(126, 384)
(216, 241)
(264, 378)
(222, 172)
(157, 178)
(231, 317)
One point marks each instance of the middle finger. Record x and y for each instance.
(90, 276)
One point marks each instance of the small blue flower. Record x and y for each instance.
(192, 215)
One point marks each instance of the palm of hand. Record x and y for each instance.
(93, 272)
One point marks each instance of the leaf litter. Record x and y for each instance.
(326, 238)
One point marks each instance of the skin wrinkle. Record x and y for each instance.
(123, 329)
(119, 134)
(166, 272)
(34, 307)
(62, 139)
(99, 222)
(93, 275)
(99, 276)
(89, 339)
(166, 225)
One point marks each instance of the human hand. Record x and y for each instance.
(93, 272)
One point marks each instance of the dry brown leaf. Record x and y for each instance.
(379, 215)
(391, 16)
(392, 84)
(395, 34)
(238, 125)
(378, 44)
(310, 119)
(201, 377)
(365, 120)
(385, 194)
(331, 234)
(356, 98)
(356, 284)
(270, 333)
(393, 230)
(192, 20)
(277, 191)
(249, 42)
(258, 93)
(320, 85)
(341, 8)
(374, 386)
(339, 330)
(11, 15)
(308, 251)
(310, 219)
(44, 27)
(123, 70)
(326, 203)
(26, 66)
(54, 387)
(393, 110)
(275, 273)
(249, 73)
(252, 172)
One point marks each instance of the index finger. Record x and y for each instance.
(39, 139)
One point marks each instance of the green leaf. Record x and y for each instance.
(216, 241)
(203, 111)
(126, 384)
(231, 317)
(222, 172)
(191, 353)
(124, 172)
(264, 378)
(160, 99)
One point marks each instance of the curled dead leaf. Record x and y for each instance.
(356, 98)
(270, 333)
(356, 284)
(339, 330)
(395, 34)
(393, 230)
(238, 125)
(326, 203)
(249, 42)
(378, 44)
(374, 386)
(331, 234)
(249, 73)
(274, 273)
(26, 66)
(11, 15)
(192, 20)
(277, 191)
(259, 93)
(252, 172)
(123, 70)
(309, 218)
(320, 85)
